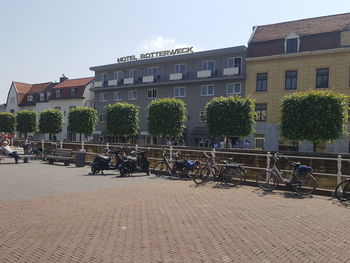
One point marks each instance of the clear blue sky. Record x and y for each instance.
(41, 39)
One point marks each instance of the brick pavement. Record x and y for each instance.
(148, 220)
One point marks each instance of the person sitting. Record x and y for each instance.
(7, 151)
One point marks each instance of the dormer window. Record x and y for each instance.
(291, 44)
(42, 97)
(30, 98)
(58, 93)
(73, 92)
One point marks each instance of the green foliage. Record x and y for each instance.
(82, 120)
(122, 119)
(166, 117)
(26, 121)
(316, 116)
(50, 121)
(7, 122)
(230, 116)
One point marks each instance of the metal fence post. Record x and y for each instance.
(42, 144)
(213, 153)
(61, 144)
(136, 147)
(82, 145)
(171, 152)
(268, 160)
(107, 146)
(339, 174)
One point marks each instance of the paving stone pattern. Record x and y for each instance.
(143, 219)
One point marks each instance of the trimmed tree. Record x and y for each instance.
(166, 117)
(7, 122)
(26, 121)
(82, 120)
(230, 117)
(51, 122)
(316, 116)
(122, 119)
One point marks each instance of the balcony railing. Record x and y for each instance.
(230, 71)
(129, 81)
(98, 84)
(204, 73)
(175, 76)
(148, 79)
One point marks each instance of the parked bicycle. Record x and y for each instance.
(301, 181)
(229, 173)
(177, 167)
(342, 190)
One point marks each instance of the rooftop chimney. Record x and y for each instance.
(63, 78)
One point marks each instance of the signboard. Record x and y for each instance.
(170, 52)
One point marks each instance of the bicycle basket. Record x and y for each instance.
(304, 169)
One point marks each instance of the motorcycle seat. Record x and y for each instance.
(131, 158)
(104, 157)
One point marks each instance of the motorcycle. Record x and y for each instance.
(130, 165)
(102, 163)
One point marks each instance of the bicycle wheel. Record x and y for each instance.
(160, 169)
(267, 180)
(231, 176)
(304, 184)
(342, 191)
(201, 176)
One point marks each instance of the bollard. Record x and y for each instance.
(82, 145)
(26, 141)
(12, 142)
(107, 146)
(42, 144)
(61, 144)
(136, 147)
(339, 174)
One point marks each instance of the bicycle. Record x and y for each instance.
(177, 168)
(302, 180)
(230, 173)
(342, 190)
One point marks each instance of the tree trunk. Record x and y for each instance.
(80, 136)
(314, 147)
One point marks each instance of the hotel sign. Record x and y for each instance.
(170, 52)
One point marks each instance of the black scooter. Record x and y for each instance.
(130, 165)
(101, 163)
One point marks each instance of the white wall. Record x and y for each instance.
(12, 105)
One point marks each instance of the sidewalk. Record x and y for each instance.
(145, 219)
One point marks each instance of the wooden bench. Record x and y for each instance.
(20, 152)
(64, 155)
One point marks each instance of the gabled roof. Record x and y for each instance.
(302, 27)
(22, 88)
(74, 83)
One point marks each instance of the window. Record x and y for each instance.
(322, 76)
(132, 95)
(208, 65)
(291, 80)
(233, 89)
(48, 94)
(291, 45)
(42, 96)
(202, 116)
(152, 93)
(12, 100)
(235, 63)
(152, 71)
(103, 97)
(102, 118)
(261, 82)
(118, 75)
(58, 93)
(261, 112)
(117, 96)
(73, 92)
(12, 111)
(207, 90)
(133, 73)
(103, 76)
(180, 68)
(179, 92)
(30, 98)
(259, 141)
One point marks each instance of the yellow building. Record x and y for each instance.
(296, 56)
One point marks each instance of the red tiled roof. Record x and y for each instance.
(21, 87)
(37, 88)
(303, 27)
(74, 83)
